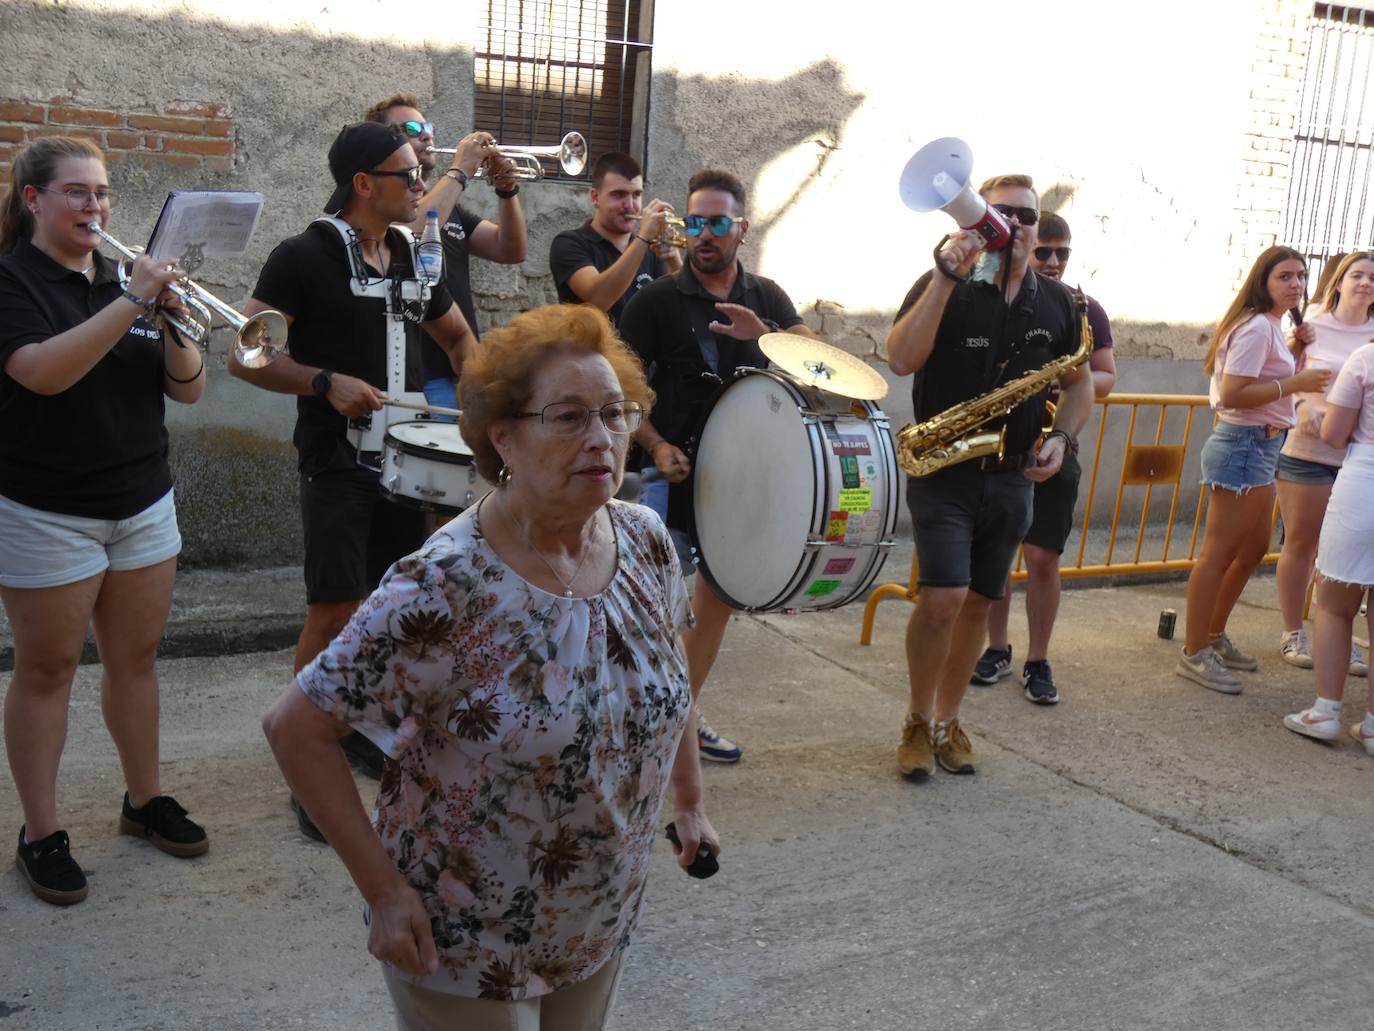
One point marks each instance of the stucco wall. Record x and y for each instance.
(1138, 125)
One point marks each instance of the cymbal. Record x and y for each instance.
(824, 366)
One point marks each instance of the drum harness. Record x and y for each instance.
(406, 301)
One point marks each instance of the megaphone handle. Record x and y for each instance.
(940, 263)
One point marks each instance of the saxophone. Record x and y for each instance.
(949, 438)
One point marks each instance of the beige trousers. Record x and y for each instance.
(585, 1006)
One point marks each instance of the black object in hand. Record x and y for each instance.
(705, 864)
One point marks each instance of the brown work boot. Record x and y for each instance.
(914, 756)
(952, 748)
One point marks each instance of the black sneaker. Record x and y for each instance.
(49, 868)
(164, 823)
(994, 665)
(363, 755)
(306, 825)
(1039, 682)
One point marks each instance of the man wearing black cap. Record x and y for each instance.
(337, 369)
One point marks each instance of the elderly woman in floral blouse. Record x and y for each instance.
(524, 673)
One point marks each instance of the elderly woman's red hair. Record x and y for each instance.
(497, 381)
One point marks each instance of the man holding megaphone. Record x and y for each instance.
(979, 320)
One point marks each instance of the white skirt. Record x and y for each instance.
(1345, 552)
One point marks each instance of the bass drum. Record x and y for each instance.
(794, 495)
(426, 464)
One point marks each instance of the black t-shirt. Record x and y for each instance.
(457, 236)
(982, 343)
(573, 249)
(99, 448)
(667, 323)
(307, 277)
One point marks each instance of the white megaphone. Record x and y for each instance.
(937, 176)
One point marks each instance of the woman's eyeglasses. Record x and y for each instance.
(720, 225)
(411, 175)
(569, 418)
(79, 198)
(1026, 216)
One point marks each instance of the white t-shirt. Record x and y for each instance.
(1335, 341)
(1354, 388)
(1255, 348)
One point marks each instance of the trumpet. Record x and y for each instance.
(571, 154)
(672, 234)
(258, 339)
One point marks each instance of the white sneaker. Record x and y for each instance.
(1294, 648)
(1309, 724)
(1357, 732)
(1359, 667)
(1208, 669)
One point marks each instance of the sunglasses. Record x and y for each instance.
(1043, 253)
(411, 175)
(413, 128)
(1026, 216)
(720, 225)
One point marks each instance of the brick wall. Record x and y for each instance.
(181, 135)
(1275, 93)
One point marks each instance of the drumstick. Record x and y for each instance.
(431, 409)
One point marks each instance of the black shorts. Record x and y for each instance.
(1052, 520)
(352, 534)
(968, 525)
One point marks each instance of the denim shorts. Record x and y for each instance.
(47, 549)
(1301, 470)
(1240, 458)
(442, 391)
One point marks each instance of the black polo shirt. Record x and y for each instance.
(982, 343)
(457, 236)
(667, 323)
(577, 248)
(99, 448)
(307, 277)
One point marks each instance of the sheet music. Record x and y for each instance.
(199, 224)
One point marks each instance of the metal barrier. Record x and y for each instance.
(1149, 464)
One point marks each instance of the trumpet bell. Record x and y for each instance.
(572, 153)
(261, 339)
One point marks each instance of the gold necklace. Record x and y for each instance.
(586, 550)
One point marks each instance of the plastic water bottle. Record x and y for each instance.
(431, 249)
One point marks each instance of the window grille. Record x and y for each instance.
(1328, 207)
(547, 67)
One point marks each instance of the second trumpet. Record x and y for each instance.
(571, 154)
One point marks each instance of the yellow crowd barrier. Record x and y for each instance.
(1155, 465)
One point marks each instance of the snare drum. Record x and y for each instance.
(426, 464)
(794, 494)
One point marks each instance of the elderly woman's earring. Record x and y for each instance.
(503, 477)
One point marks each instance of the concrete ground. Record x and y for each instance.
(1147, 854)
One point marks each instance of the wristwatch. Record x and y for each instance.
(458, 176)
(319, 386)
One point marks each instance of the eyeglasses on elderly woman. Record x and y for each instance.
(569, 418)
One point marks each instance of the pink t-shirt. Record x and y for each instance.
(1256, 349)
(1354, 388)
(1335, 342)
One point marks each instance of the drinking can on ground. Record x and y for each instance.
(1167, 619)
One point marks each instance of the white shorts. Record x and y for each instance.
(1344, 553)
(46, 549)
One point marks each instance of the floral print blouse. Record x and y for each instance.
(533, 736)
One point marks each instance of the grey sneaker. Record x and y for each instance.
(1233, 656)
(1208, 669)
(1359, 666)
(1295, 649)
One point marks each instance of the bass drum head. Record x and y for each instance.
(754, 490)
(439, 441)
